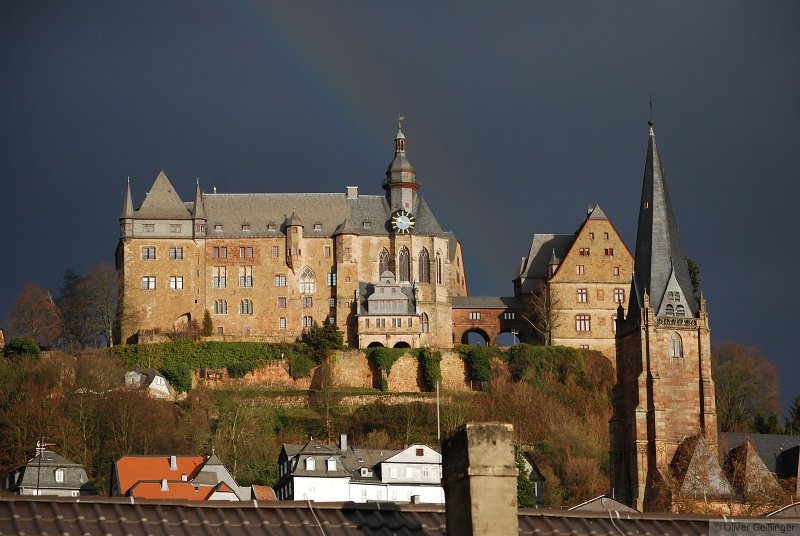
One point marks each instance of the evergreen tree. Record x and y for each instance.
(793, 421)
(525, 496)
(208, 325)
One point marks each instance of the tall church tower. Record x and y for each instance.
(401, 182)
(664, 393)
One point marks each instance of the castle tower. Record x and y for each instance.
(664, 393)
(401, 182)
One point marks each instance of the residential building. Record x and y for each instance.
(535, 476)
(196, 478)
(578, 281)
(150, 379)
(326, 473)
(266, 266)
(48, 473)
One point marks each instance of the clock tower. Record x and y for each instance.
(401, 182)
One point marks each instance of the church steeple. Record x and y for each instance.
(401, 182)
(126, 220)
(660, 268)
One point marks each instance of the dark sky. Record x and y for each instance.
(519, 116)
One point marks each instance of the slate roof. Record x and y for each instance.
(603, 504)
(533, 268)
(349, 461)
(40, 472)
(780, 453)
(659, 251)
(486, 302)
(110, 516)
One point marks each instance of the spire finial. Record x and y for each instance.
(198, 181)
(129, 179)
(651, 123)
(400, 122)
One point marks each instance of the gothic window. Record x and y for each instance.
(308, 283)
(424, 266)
(670, 310)
(680, 310)
(438, 267)
(423, 320)
(675, 346)
(220, 307)
(246, 307)
(383, 261)
(405, 265)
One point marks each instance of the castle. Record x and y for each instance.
(267, 266)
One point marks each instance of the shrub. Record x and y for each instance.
(384, 358)
(23, 346)
(478, 360)
(300, 366)
(431, 363)
(536, 363)
(325, 337)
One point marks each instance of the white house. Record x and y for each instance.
(340, 473)
(151, 379)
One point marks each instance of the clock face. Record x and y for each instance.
(403, 222)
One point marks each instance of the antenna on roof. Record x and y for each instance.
(198, 181)
(215, 189)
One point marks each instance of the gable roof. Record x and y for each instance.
(659, 253)
(603, 504)
(128, 470)
(162, 202)
(533, 268)
(171, 489)
(780, 453)
(697, 469)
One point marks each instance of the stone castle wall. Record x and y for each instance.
(353, 369)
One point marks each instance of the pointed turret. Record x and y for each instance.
(198, 210)
(127, 206)
(401, 181)
(163, 202)
(660, 268)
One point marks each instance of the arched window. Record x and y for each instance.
(220, 307)
(383, 262)
(308, 283)
(675, 346)
(439, 268)
(680, 310)
(246, 307)
(423, 321)
(670, 310)
(405, 265)
(424, 266)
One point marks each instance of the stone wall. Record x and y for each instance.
(353, 369)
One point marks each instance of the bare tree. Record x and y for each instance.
(102, 293)
(35, 314)
(540, 313)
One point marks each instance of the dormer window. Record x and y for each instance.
(270, 226)
(331, 464)
(218, 227)
(317, 226)
(59, 475)
(245, 227)
(680, 311)
(310, 464)
(364, 471)
(367, 224)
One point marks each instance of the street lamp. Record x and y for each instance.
(514, 334)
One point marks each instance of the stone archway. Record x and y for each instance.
(402, 344)
(476, 337)
(375, 344)
(182, 323)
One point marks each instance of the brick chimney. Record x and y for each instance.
(173, 463)
(480, 480)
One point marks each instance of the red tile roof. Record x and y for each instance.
(175, 489)
(132, 469)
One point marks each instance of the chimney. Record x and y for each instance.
(480, 480)
(343, 442)
(173, 463)
(416, 499)
(183, 477)
(164, 485)
(352, 192)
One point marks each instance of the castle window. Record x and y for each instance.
(584, 252)
(282, 322)
(308, 301)
(474, 315)
(220, 330)
(670, 310)
(619, 295)
(149, 227)
(308, 321)
(424, 268)
(438, 267)
(410, 322)
(308, 283)
(280, 280)
(176, 282)
(583, 323)
(219, 277)
(591, 236)
(609, 252)
(580, 269)
(326, 251)
(614, 323)
(246, 276)
(220, 252)
(246, 307)
(605, 235)
(281, 302)
(615, 270)
(245, 227)
(275, 252)
(270, 226)
(347, 250)
(405, 265)
(174, 227)
(245, 252)
(149, 282)
(675, 346)
(175, 254)
(332, 303)
(367, 224)
(218, 227)
(330, 277)
(317, 226)
(383, 261)
(680, 310)
(220, 307)
(380, 322)
(583, 295)
(509, 316)
(366, 322)
(149, 253)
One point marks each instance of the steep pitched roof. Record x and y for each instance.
(40, 472)
(533, 268)
(131, 469)
(127, 206)
(697, 470)
(603, 504)
(198, 211)
(162, 202)
(748, 474)
(659, 259)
